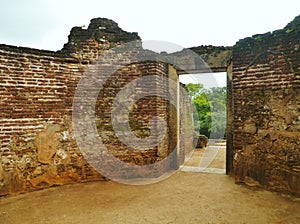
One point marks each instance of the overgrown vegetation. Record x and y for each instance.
(210, 110)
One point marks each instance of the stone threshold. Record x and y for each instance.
(202, 170)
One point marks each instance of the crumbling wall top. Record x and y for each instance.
(100, 30)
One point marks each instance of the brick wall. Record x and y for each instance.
(266, 83)
(38, 146)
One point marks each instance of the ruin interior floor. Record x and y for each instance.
(186, 197)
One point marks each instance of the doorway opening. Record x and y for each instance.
(208, 93)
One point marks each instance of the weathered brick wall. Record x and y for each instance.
(140, 116)
(266, 83)
(38, 147)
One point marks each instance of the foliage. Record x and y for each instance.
(210, 110)
(289, 31)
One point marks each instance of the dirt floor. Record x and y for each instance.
(214, 156)
(185, 197)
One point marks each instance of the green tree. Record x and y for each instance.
(210, 110)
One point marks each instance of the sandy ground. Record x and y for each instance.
(185, 197)
(219, 157)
